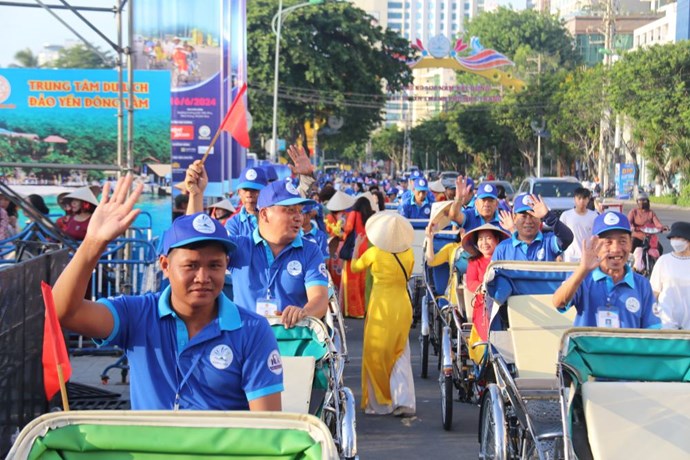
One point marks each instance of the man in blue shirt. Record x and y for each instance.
(252, 180)
(603, 288)
(483, 211)
(189, 347)
(528, 242)
(274, 270)
(417, 205)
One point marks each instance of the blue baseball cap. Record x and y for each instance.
(281, 193)
(523, 202)
(309, 208)
(421, 185)
(392, 191)
(252, 179)
(470, 182)
(271, 174)
(415, 174)
(486, 190)
(610, 220)
(198, 227)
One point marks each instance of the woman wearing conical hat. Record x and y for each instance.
(82, 203)
(387, 382)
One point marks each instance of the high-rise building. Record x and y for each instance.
(421, 19)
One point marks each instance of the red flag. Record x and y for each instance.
(54, 350)
(236, 121)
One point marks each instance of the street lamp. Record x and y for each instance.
(276, 25)
(540, 132)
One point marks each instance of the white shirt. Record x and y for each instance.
(671, 279)
(581, 226)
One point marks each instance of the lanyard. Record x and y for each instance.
(195, 361)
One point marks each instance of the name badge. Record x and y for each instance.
(607, 317)
(267, 307)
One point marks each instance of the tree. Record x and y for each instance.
(389, 143)
(431, 137)
(651, 88)
(506, 31)
(25, 58)
(81, 57)
(333, 61)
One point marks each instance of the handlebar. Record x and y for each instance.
(650, 230)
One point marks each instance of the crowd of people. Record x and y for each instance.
(289, 242)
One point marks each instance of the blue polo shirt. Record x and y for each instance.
(231, 361)
(631, 298)
(317, 237)
(408, 208)
(254, 271)
(474, 220)
(544, 248)
(241, 223)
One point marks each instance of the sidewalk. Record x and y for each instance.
(87, 370)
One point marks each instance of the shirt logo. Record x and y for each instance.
(632, 304)
(540, 254)
(323, 270)
(427, 211)
(274, 363)
(251, 174)
(221, 357)
(294, 267)
(611, 219)
(203, 224)
(290, 187)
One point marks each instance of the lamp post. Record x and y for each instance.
(276, 25)
(540, 132)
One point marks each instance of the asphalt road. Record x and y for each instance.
(415, 437)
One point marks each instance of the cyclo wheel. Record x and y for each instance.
(425, 356)
(446, 383)
(438, 331)
(493, 438)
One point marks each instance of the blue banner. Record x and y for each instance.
(202, 43)
(625, 180)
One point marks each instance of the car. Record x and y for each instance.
(448, 178)
(507, 186)
(558, 192)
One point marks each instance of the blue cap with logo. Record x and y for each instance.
(392, 191)
(252, 179)
(610, 220)
(470, 182)
(522, 203)
(196, 228)
(415, 174)
(487, 190)
(271, 174)
(281, 193)
(421, 185)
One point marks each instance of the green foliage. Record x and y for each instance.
(81, 57)
(432, 137)
(507, 31)
(683, 199)
(666, 199)
(388, 143)
(25, 58)
(332, 62)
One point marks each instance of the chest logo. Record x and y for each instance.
(540, 254)
(294, 267)
(274, 363)
(323, 270)
(221, 356)
(632, 305)
(427, 211)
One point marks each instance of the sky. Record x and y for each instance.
(33, 27)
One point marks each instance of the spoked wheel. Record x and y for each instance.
(493, 438)
(425, 356)
(446, 383)
(438, 330)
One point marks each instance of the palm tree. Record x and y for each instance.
(25, 58)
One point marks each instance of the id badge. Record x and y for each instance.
(607, 317)
(266, 307)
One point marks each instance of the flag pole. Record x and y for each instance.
(213, 141)
(63, 388)
(240, 93)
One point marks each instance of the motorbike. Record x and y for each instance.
(646, 255)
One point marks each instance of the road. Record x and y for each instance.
(414, 437)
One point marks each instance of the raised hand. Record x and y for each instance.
(539, 208)
(430, 230)
(462, 189)
(590, 253)
(196, 178)
(302, 164)
(114, 214)
(505, 220)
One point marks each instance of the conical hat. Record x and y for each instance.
(373, 201)
(340, 201)
(224, 204)
(437, 186)
(83, 194)
(469, 239)
(440, 214)
(390, 231)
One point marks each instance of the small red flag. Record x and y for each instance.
(54, 349)
(236, 121)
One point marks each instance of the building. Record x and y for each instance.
(566, 9)
(421, 19)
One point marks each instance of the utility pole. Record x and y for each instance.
(537, 126)
(609, 31)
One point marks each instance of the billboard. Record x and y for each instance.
(625, 180)
(70, 116)
(202, 44)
